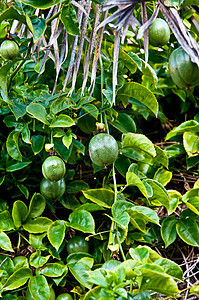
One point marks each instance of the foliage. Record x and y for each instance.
(72, 69)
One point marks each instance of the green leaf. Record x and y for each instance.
(188, 231)
(39, 27)
(39, 288)
(69, 19)
(62, 121)
(80, 268)
(175, 198)
(143, 213)
(38, 261)
(120, 206)
(20, 262)
(161, 157)
(91, 109)
(162, 176)
(140, 93)
(14, 165)
(12, 145)
(4, 70)
(37, 205)
(155, 279)
(194, 290)
(124, 123)
(193, 204)
(38, 225)
(38, 142)
(23, 189)
(67, 140)
(6, 221)
(168, 230)
(139, 142)
(170, 267)
(188, 126)
(82, 220)
(19, 213)
(38, 111)
(17, 279)
(53, 270)
(60, 104)
(76, 186)
(134, 180)
(191, 143)
(12, 13)
(102, 197)
(160, 194)
(56, 233)
(128, 61)
(42, 4)
(5, 242)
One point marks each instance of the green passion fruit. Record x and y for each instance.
(159, 33)
(52, 190)
(183, 71)
(86, 122)
(53, 168)
(9, 49)
(103, 149)
(64, 296)
(77, 244)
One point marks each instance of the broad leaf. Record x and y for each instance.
(39, 288)
(62, 121)
(140, 93)
(168, 230)
(53, 269)
(139, 142)
(42, 4)
(38, 112)
(143, 213)
(12, 145)
(19, 213)
(17, 279)
(56, 233)
(37, 205)
(6, 221)
(102, 197)
(134, 180)
(188, 126)
(5, 242)
(82, 220)
(37, 225)
(188, 231)
(160, 195)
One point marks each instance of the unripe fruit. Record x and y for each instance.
(183, 71)
(159, 33)
(77, 244)
(53, 168)
(52, 190)
(64, 296)
(9, 49)
(103, 149)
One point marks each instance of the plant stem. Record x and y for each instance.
(120, 246)
(115, 183)
(53, 17)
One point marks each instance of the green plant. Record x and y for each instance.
(86, 122)
(9, 49)
(53, 168)
(64, 296)
(77, 244)
(52, 190)
(103, 149)
(159, 33)
(183, 71)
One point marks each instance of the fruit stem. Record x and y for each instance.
(115, 183)
(102, 96)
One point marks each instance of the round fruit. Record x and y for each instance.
(64, 296)
(183, 71)
(86, 122)
(103, 149)
(53, 168)
(9, 49)
(52, 190)
(77, 244)
(159, 33)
